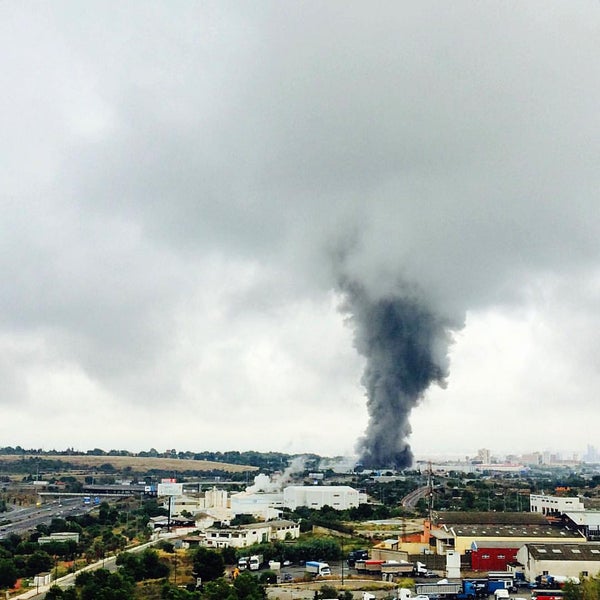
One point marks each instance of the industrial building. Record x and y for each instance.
(476, 532)
(262, 505)
(554, 506)
(587, 522)
(214, 502)
(255, 533)
(340, 497)
(565, 560)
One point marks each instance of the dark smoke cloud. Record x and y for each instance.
(406, 345)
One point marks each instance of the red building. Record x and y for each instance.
(493, 556)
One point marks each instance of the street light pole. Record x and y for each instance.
(342, 560)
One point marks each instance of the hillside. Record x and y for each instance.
(135, 463)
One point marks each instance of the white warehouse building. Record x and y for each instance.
(554, 505)
(262, 505)
(339, 497)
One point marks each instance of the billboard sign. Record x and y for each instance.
(170, 489)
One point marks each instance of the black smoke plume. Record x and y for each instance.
(406, 347)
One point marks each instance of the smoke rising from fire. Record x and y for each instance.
(171, 193)
(405, 345)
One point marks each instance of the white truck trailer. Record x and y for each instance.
(320, 569)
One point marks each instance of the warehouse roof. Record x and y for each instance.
(584, 517)
(495, 518)
(441, 534)
(487, 544)
(514, 531)
(562, 552)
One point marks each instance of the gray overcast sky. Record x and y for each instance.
(184, 184)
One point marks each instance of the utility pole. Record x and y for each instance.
(342, 560)
(430, 486)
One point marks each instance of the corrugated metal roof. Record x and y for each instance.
(584, 517)
(562, 552)
(508, 531)
(491, 518)
(483, 544)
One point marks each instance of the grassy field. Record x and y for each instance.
(137, 463)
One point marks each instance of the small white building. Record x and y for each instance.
(59, 536)
(339, 497)
(564, 560)
(554, 505)
(254, 533)
(237, 537)
(42, 579)
(282, 530)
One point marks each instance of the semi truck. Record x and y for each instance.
(389, 567)
(444, 589)
(458, 590)
(320, 569)
(355, 555)
(372, 567)
(394, 568)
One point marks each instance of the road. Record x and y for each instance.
(26, 519)
(68, 580)
(411, 499)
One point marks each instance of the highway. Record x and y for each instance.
(26, 519)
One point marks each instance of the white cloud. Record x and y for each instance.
(184, 185)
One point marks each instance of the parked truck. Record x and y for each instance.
(394, 568)
(458, 590)
(372, 567)
(243, 563)
(554, 581)
(320, 569)
(255, 562)
(442, 588)
(387, 567)
(493, 585)
(501, 576)
(355, 555)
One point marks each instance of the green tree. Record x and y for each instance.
(572, 591)
(327, 591)
(171, 592)
(103, 585)
(468, 500)
(229, 556)
(8, 573)
(248, 587)
(588, 589)
(145, 566)
(56, 593)
(131, 565)
(219, 589)
(39, 562)
(208, 564)
(153, 567)
(166, 546)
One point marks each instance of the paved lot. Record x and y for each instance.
(306, 591)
